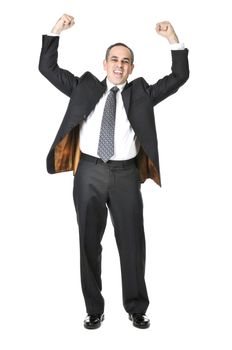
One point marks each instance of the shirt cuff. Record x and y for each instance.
(53, 34)
(177, 46)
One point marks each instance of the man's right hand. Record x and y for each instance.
(65, 22)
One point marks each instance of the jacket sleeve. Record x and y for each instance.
(172, 82)
(48, 66)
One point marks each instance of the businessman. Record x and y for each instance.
(108, 139)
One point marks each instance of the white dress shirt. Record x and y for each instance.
(126, 145)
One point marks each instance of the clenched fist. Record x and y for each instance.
(166, 30)
(65, 22)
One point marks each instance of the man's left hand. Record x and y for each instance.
(166, 30)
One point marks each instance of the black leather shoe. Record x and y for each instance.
(139, 320)
(93, 321)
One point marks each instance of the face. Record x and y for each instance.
(118, 65)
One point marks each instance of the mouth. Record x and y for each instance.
(117, 73)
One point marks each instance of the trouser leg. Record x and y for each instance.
(89, 198)
(126, 208)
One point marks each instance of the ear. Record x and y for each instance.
(105, 65)
(132, 68)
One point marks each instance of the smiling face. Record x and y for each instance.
(118, 65)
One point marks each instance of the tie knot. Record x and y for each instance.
(114, 89)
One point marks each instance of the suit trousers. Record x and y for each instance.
(115, 187)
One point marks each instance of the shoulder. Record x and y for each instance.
(138, 83)
(88, 83)
(87, 80)
(137, 86)
(89, 77)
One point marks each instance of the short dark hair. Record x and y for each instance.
(119, 44)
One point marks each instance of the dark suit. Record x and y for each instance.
(139, 98)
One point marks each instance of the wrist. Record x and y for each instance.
(56, 30)
(173, 39)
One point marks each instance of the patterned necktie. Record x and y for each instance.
(106, 139)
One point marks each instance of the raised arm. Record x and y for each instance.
(62, 79)
(179, 70)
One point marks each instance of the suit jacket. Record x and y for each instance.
(138, 96)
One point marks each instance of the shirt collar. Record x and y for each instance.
(110, 85)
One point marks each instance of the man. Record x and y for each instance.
(108, 138)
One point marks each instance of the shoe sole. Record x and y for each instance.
(141, 327)
(93, 327)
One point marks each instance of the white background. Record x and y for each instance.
(187, 221)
